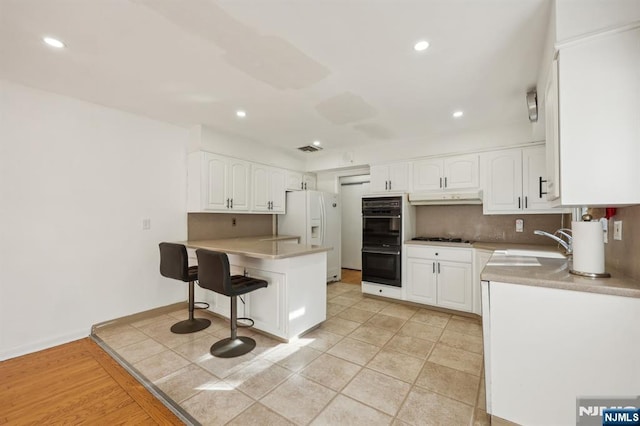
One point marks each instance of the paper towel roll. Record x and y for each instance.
(588, 247)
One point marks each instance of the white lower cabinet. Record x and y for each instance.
(545, 347)
(480, 260)
(268, 313)
(421, 281)
(294, 301)
(440, 276)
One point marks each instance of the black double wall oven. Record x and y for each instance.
(382, 240)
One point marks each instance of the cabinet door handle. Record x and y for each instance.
(305, 185)
(434, 267)
(232, 203)
(271, 204)
(438, 267)
(389, 185)
(440, 182)
(445, 181)
(386, 185)
(540, 181)
(526, 202)
(301, 185)
(227, 203)
(519, 203)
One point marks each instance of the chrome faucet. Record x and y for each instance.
(568, 245)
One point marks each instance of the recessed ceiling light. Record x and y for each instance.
(421, 45)
(458, 114)
(53, 42)
(316, 143)
(240, 113)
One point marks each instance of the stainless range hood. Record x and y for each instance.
(445, 198)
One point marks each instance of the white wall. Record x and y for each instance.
(453, 143)
(579, 17)
(330, 180)
(207, 139)
(76, 180)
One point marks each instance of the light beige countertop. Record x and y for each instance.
(262, 247)
(481, 245)
(554, 273)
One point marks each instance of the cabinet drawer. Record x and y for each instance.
(442, 253)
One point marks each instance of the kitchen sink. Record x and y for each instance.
(519, 257)
(549, 254)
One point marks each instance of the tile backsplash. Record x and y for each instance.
(468, 222)
(209, 226)
(624, 255)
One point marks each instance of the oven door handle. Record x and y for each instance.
(381, 217)
(397, 253)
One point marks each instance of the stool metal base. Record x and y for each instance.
(190, 325)
(229, 348)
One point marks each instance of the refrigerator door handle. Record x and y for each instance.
(323, 220)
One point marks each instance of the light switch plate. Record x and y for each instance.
(146, 224)
(617, 230)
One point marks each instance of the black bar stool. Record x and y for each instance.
(175, 264)
(214, 274)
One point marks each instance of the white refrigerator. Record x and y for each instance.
(314, 216)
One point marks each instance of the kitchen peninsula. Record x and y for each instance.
(551, 337)
(294, 300)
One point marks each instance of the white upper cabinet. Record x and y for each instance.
(552, 134)
(515, 181)
(394, 177)
(294, 181)
(228, 185)
(218, 183)
(309, 182)
(268, 189)
(449, 173)
(238, 184)
(599, 123)
(297, 181)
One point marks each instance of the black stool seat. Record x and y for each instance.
(243, 285)
(192, 273)
(214, 274)
(174, 263)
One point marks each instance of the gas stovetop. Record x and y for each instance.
(442, 240)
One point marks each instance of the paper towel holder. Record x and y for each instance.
(588, 218)
(590, 274)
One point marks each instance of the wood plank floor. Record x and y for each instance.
(75, 383)
(351, 276)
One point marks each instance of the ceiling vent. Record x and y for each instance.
(310, 148)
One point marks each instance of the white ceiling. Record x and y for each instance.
(340, 71)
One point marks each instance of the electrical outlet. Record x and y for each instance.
(146, 224)
(233, 221)
(519, 225)
(617, 230)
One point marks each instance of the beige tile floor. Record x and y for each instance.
(373, 362)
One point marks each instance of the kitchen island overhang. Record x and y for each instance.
(295, 299)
